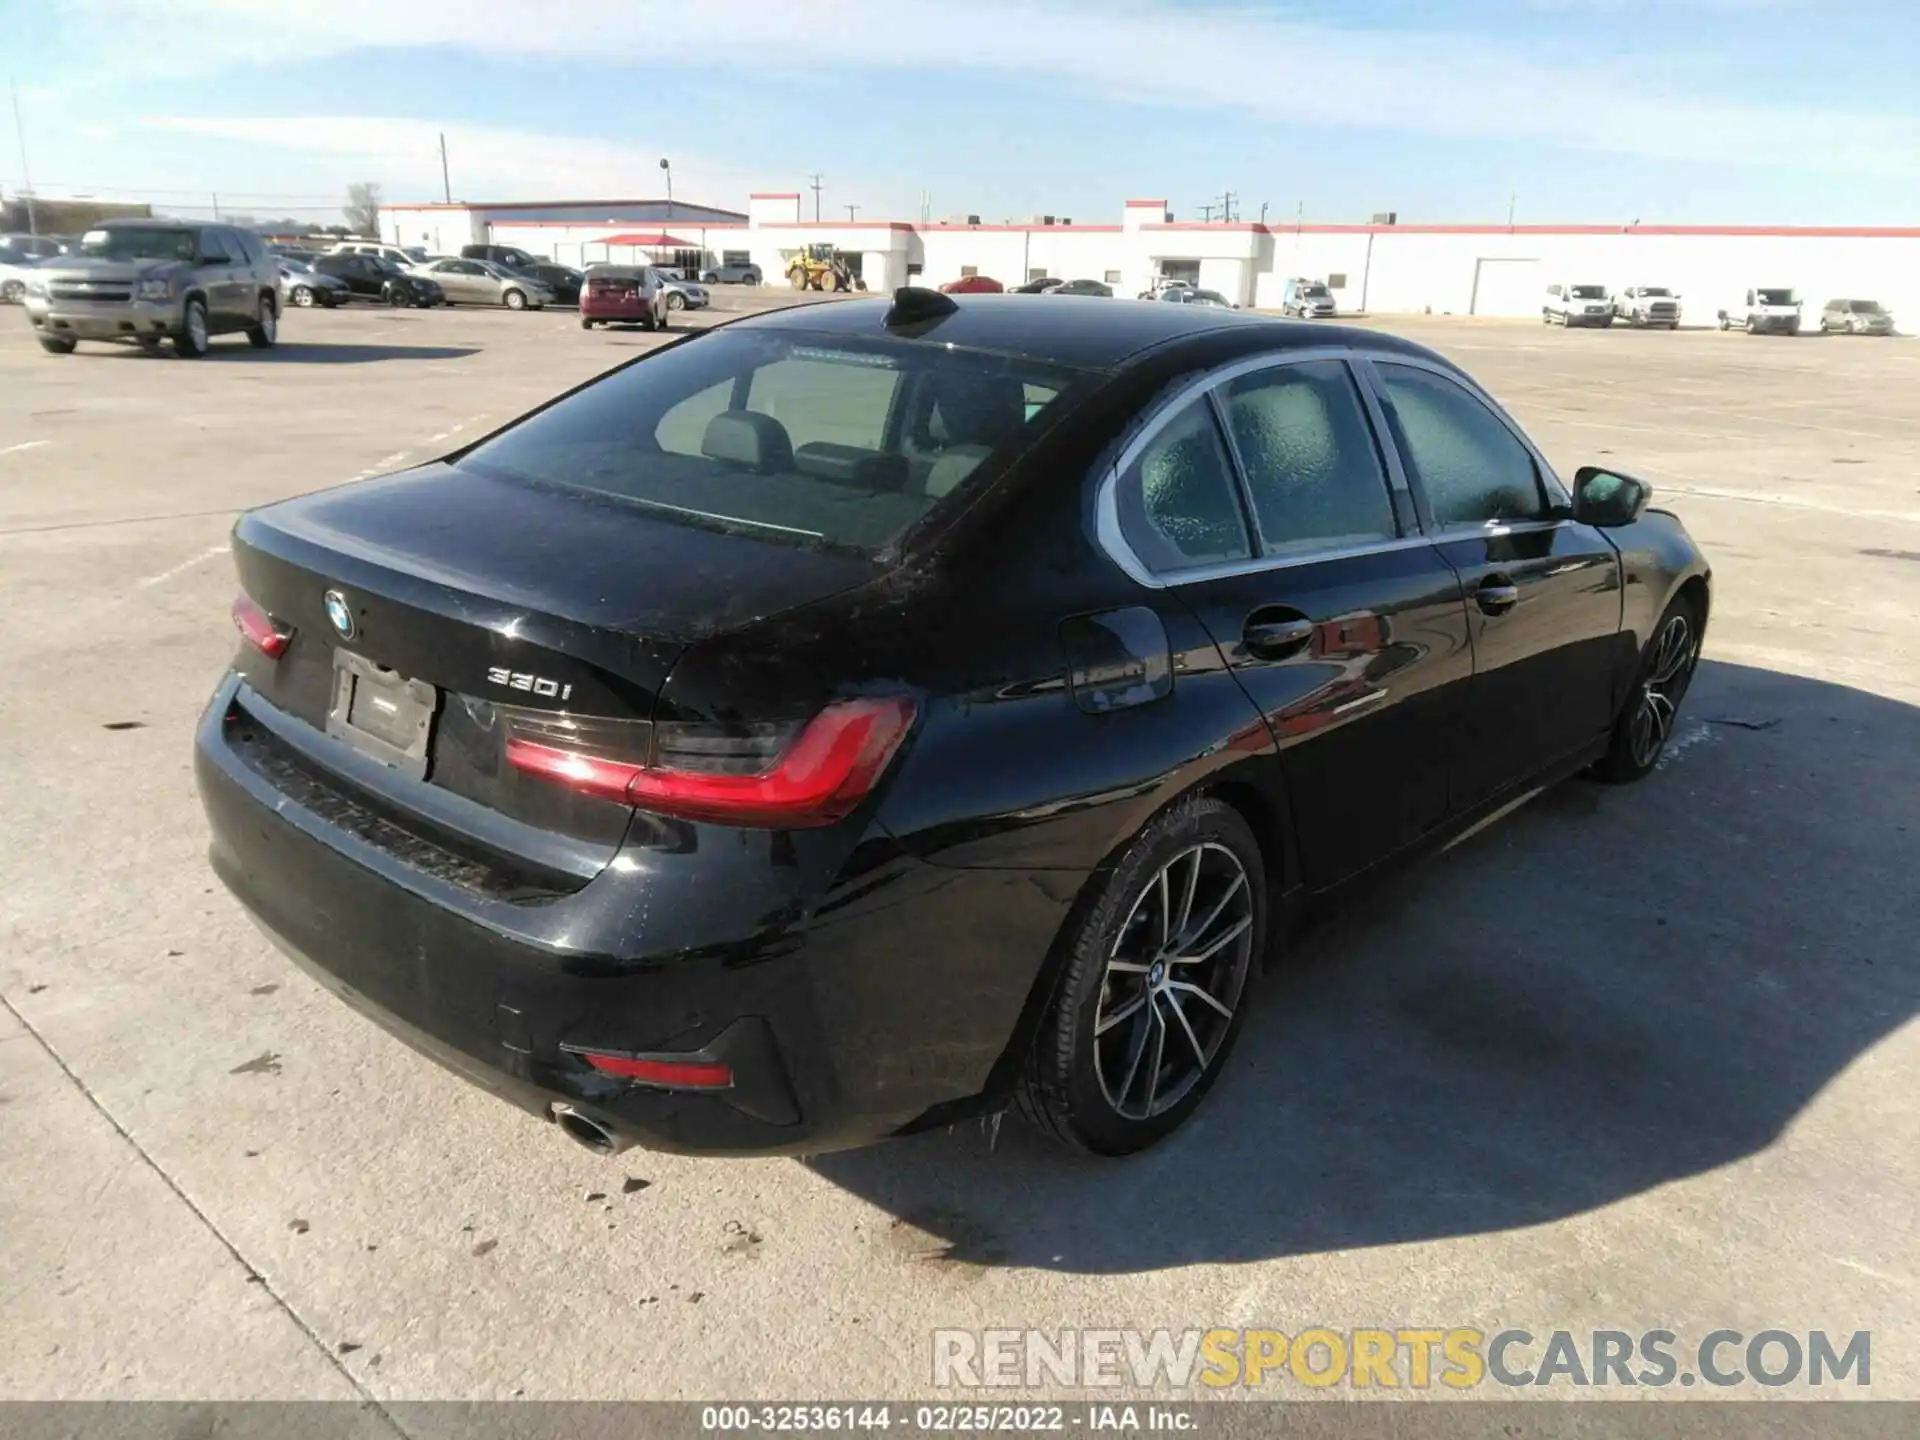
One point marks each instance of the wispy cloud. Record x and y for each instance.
(489, 162)
(1232, 60)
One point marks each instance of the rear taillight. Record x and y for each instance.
(673, 1074)
(259, 629)
(772, 776)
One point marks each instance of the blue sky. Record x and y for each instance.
(1684, 111)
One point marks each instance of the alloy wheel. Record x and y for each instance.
(197, 326)
(1668, 672)
(1173, 981)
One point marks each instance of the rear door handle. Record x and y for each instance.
(1274, 634)
(1497, 595)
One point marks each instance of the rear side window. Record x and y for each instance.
(813, 439)
(1474, 469)
(1177, 502)
(1308, 453)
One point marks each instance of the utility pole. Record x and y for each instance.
(26, 179)
(216, 207)
(1511, 199)
(850, 210)
(814, 185)
(1206, 213)
(446, 185)
(1263, 211)
(1226, 206)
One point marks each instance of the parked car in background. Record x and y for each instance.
(303, 286)
(562, 280)
(623, 295)
(15, 272)
(1038, 287)
(484, 282)
(1648, 306)
(510, 256)
(367, 277)
(1577, 304)
(1163, 283)
(146, 281)
(682, 294)
(404, 258)
(1766, 310)
(15, 248)
(973, 285)
(1188, 295)
(1855, 317)
(732, 275)
(609, 761)
(1098, 288)
(1307, 299)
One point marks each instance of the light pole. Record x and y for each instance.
(667, 166)
(850, 210)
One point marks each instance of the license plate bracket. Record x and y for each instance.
(382, 713)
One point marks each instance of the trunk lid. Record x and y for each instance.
(513, 603)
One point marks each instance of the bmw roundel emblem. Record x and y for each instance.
(338, 615)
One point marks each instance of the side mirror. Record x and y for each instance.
(1603, 498)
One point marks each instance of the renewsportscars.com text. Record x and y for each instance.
(1459, 1358)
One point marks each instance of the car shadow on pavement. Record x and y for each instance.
(305, 353)
(1609, 990)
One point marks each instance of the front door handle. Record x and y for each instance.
(1497, 595)
(1275, 634)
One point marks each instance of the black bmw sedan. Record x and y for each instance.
(858, 716)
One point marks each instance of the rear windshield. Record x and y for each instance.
(812, 439)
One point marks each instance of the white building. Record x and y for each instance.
(1446, 269)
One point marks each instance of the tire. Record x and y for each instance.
(586, 324)
(149, 344)
(56, 344)
(1753, 326)
(396, 297)
(190, 343)
(749, 279)
(797, 279)
(302, 296)
(1645, 725)
(1068, 1090)
(1725, 323)
(710, 278)
(264, 333)
(13, 292)
(514, 300)
(676, 301)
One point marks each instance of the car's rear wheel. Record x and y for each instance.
(265, 330)
(149, 344)
(56, 345)
(586, 324)
(1156, 971)
(191, 342)
(1641, 733)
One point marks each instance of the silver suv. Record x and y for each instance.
(146, 281)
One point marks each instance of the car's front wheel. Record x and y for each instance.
(1156, 970)
(56, 344)
(191, 341)
(303, 296)
(1641, 733)
(515, 299)
(13, 292)
(676, 301)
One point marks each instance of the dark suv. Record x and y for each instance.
(147, 281)
(368, 277)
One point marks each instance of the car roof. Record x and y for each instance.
(151, 222)
(1094, 333)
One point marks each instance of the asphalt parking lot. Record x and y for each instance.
(1631, 1059)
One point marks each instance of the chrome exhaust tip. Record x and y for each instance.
(587, 1131)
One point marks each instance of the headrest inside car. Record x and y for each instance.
(750, 440)
(852, 465)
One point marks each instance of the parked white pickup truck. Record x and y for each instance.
(1766, 309)
(1577, 305)
(1648, 305)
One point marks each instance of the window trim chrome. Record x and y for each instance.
(1112, 540)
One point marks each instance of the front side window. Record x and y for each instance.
(802, 438)
(1308, 454)
(1177, 501)
(1474, 469)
